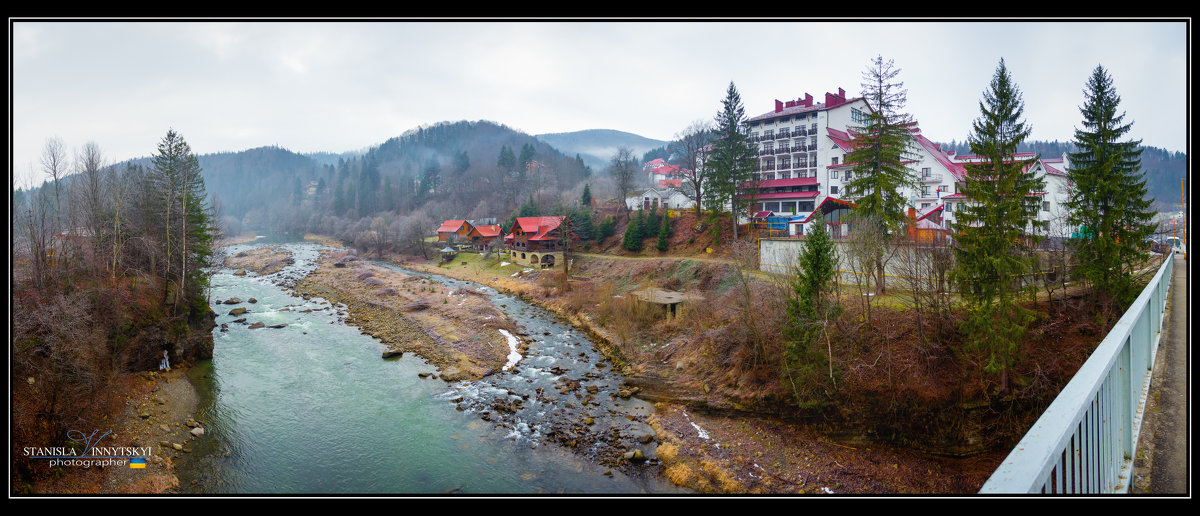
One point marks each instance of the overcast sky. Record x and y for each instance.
(339, 86)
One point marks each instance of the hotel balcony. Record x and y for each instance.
(931, 178)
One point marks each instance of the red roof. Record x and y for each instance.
(787, 195)
(841, 138)
(819, 206)
(932, 211)
(489, 230)
(539, 227)
(796, 110)
(955, 169)
(663, 183)
(667, 170)
(773, 183)
(762, 214)
(655, 163)
(450, 226)
(1052, 166)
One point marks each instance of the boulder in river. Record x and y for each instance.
(392, 353)
(252, 300)
(258, 324)
(238, 311)
(233, 301)
(240, 272)
(280, 325)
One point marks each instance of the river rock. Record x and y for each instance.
(177, 446)
(240, 272)
(280, 325)
(241, 320)
(233, 301)
(257, 325)
(252, 300)
(238, 311)
(392, 353)
(198, 431)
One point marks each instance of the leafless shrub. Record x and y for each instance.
(374, 282)
(388, 291)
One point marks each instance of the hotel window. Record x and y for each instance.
(924, 205)
(835, 160)
(925, 191)
(833, 190)
(788, 207)
(926, 172)
(950, 207)
(856, 116)
(812, 142)
(833, 174)
(1045, 205)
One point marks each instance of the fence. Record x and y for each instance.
(1086, 440)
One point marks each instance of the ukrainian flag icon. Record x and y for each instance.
(137, 463)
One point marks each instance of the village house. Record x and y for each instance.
(454, 231)
(485, 235)
(535, 241)
(654, 198)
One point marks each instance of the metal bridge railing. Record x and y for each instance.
(1086, 440)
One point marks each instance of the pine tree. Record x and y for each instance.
(632, 240)
(586, 198)
(664, 234)
(880, 146)
(809, 309)
(732, 159)
(1108, 195)
(994, 240)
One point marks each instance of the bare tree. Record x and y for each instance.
(690, 148)
(623, 168)
(54, 164)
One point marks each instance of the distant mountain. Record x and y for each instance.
(597, 146)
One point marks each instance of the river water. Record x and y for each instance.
(312, 408)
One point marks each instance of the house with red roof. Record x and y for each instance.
(536, 240)
(454, 231)
(484, 235)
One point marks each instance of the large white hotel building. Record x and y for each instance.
(802, 147)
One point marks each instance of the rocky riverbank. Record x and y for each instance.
(455, 330)
(159, 414)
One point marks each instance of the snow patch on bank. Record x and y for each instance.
(513, 356)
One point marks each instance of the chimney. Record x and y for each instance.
(778, 106)
(842, 93)
(789, 104)
(808, 100)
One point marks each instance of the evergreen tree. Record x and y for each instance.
(606, 229)
(664, 233)
(880, 144)
(586, 198)
(1108, 196)
(994, 242)
(188, 228)
(633, 233)
(809, 309)
(732, 159)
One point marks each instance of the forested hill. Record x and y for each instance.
(597, 146)
(1163, 168)
(447, 170)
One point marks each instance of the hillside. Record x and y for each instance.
(597, 146)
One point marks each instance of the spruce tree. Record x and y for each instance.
(994, 240)
(632, 240)
(732, 159)
(880, 144)
(586, 198)
(1108, 195)
(809, 309)
(664, 234)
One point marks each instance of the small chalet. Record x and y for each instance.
(535, 240)
(454, 231)
(484, 235)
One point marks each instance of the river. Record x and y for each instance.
(312, 408)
